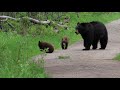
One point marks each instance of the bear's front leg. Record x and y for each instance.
(86, 44)
(88, 48)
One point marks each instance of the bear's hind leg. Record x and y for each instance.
(63, 45)
(103, 43)
(66, 45)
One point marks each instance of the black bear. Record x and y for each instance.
(92, 33)
(45, 45)
(64, 43)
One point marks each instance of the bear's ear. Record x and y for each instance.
(39, 41)
(78, 23)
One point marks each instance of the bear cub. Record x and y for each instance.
(45, 45)
(64, 43)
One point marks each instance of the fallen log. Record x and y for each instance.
(39, 22)
(7, 17)
(63, 26)
(46, 22)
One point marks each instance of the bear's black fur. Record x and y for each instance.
(64, 43)
(45, 45)
(91, 33)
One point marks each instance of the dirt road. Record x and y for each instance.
(87, 64)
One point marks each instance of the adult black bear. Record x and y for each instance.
(45, 45)
(91, 33)
(64, 43)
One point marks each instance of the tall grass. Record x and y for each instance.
(16, 50)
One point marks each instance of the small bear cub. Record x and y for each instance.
(45, 45)
(64, 42)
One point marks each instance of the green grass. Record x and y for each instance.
(16, 50)
(63, 57)
(104, 17)
(117, 57)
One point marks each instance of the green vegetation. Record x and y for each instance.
(63, 57)
(18, 46)
(117, 57)
(15, 53)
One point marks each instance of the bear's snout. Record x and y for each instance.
(77, 32)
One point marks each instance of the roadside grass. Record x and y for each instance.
(63, 57)
(117, 57)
